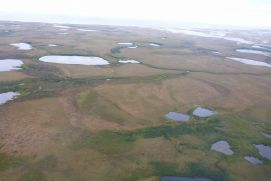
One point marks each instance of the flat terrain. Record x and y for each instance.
(107, 122)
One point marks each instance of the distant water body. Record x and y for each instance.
(27, 17)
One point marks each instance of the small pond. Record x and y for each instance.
(132, 47)
(253, 160)
(216, 52)
(128, 61)
(154, 44)
(52, 45)
(222, 147)
(267, 135)
(127, 44)
(265, 151)
(203, 112)
(179, 117)
(22, 46)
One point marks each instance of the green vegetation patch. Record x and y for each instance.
(200, 170)
(7, 162)
(36, 171)
(41, 70)
(192, 170)
(165, 168)
(110, 142)
(106, 142)
(6, 87)
(91, 102)
(195, 127)
(33, 175)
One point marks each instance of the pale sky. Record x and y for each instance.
(221, 12)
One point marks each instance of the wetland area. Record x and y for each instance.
(90, 102)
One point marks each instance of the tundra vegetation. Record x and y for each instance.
(107, 122)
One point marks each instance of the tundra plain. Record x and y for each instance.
(107, 122)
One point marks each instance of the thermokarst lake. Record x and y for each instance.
(74, 60)
(7, 96)
(10, 64)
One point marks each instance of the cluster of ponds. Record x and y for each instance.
(225, 148)
(221, 146)
(5, 66)
(15, 64)
(198, 112)
(10, 65)
(255, 49)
